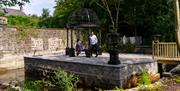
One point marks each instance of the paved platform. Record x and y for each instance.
(93, 71)
(101, 59)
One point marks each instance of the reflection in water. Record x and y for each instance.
(8, 75)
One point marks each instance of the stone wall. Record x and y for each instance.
(27, 41)
(30, 42)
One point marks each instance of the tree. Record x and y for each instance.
(24, 21)
(45, 13)
(13, 2)
(110, 6)
(177, 23)
(64, 7)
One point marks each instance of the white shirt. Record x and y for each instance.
(93, 40)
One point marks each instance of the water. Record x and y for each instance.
(7, 76)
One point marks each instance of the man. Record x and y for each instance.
(93, 44)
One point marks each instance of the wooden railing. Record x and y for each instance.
(166, 51)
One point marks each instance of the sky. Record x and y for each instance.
(36, 6)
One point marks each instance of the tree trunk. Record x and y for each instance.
(177, 24)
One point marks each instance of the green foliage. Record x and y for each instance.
(144, 78)
(45, 13)
(24, 86)
(10, 89)
(12, 2)
(112, 7)
(127, 48)
(65, 7)
(22, 34)
(104, 48)
(66, 81)
(61, 80)
(152, 87)
(150, 17)
(38, 85)
(31, 86)
(25, 21)
(177, 79)
(52, 22)
(1, 13)
(117, 89)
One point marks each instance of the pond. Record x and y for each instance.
(9, 75)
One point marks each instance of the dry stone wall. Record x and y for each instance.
(27, 41)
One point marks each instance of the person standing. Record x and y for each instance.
(93, 44)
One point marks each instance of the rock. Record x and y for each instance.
(133, 81)
(154, 77)
(168, 67)
(166, 74)
(176, 70)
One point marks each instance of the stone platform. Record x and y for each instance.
(93, 71)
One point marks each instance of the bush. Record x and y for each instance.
(25, 21)
(127, 48)
(66, 81)
(61, 81)
(152, 87)
(144, 78)
(24, 86)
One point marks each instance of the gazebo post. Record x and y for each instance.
(78, 37)
(89, 32)
(88, 51)
(71, 50)
(100, 50)
(67, 34)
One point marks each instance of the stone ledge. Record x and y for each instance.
(92, 71)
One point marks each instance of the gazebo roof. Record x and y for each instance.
(83, 18)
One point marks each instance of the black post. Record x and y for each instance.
(67, 48)
(160, 69)
(88, 51)
(99, 49)
(114, 57)
(71, 50)
(114, 52)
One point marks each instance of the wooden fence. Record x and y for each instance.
(166, 52)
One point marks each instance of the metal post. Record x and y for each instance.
(67, 47)
(71, 50)
(100, 50)
(71, 38)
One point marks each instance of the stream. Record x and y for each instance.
(7, 76)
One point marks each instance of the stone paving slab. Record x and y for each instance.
(101, 59)
(94, 70)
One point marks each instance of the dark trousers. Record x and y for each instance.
(94, 49)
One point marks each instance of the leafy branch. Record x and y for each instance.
(106, 4)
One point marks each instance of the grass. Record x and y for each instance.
(152, 87)
(62, 80)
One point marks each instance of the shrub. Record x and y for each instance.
(31, 86)
(66, 81)
(144, 78)
(24, 86)
(152, 87)
(25, 21)
(127, 48)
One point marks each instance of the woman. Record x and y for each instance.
(78, 47)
